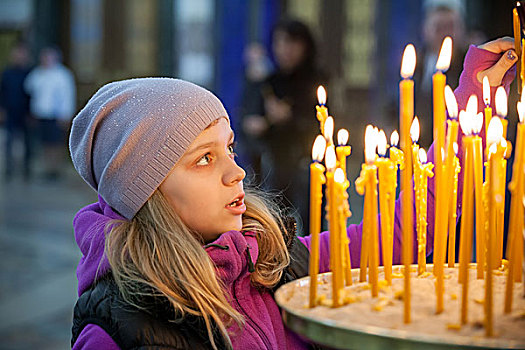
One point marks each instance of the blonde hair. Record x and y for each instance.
(156, 254)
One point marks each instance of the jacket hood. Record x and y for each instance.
(90, 227)
(233, 252)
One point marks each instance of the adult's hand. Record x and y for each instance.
(495, 73)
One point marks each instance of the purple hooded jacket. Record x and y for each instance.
(264, 327)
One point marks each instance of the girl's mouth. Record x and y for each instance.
(237, 205)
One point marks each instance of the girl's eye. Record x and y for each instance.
(204, 160)
(231, 149)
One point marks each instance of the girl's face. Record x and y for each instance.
(205, 186)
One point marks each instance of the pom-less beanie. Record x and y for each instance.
(130, 134)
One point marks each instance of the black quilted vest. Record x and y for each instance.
(132, 328)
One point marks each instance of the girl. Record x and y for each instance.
(176, 253)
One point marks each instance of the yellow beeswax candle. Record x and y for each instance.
(515, 245)
(345, 214)
(517, 42)
(449, 166)
(501, 111)
(425, 173)
(330, 162)
(438, 91)
(317, 179)
(477, 159)
(487, 111)
(467, 206)
(495, 154)
(452, 216)
(322, 111)
(365, 234)
(406, 113)
(387, 175)
(339, 189)
(342, 150)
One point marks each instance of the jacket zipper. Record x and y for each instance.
(254, 325)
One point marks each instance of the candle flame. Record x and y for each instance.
(381, 143)
(477, 123)
(452, 104)
(342, 137)
(455, 147)
(445, 54)
(414, 130)
(321, 95)
(465, 122)
(472, 105)
(486, 91)
(495, 131)
(329, 158)
(408, 63)
(318, 148)
(422, 155)
(339, 175)
(394, 138)
(501, 102)
(370, 144)
(328, 131)
(521, 109)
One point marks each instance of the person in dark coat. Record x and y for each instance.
(14, 104)
(283, 117)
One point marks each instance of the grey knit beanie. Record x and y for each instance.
(131, 133)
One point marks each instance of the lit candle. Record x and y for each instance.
(343, 150)
(340, 190)
(501, 111)
(387, 172)
(494, 139)
(330, 162)
(317, 179)
(516, 187)
(367, 184)
(406, 113)
(414, 135)
(488, 110)
(477, 158)
(328, 130)
(517, 41)
(440, 225)
(396, 155)
(452, 215)
(322, 111)
(449, 166)
(425, 173)
(467, 216)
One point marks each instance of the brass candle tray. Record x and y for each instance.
(351, 326)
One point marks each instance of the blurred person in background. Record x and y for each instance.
(441, 18)
(281, 115)
(257, 68)
(52, 89)
(14, 106)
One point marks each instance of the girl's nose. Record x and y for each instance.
(233, 174)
